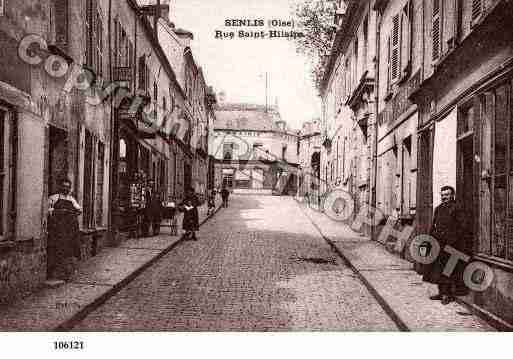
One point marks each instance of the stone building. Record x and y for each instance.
(309, 143)
(349, 113)
(465, 133)
(51, 126)
(255, 151)
(399, 45)
(440, 90)
(105, 109)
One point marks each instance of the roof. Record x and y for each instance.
(245, 116)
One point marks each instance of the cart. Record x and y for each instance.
(169, 216)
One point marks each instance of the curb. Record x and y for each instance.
(381, 301)
(68, 324)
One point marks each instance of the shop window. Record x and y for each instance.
(228, 151)
(496, 174)
(7, 173)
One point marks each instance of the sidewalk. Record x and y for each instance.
(392, 280)
(96, 280)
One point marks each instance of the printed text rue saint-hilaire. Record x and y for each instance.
(277, 29)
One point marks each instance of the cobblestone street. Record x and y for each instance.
(258, 265)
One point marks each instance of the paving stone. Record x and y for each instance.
(259, 265)
(396, 282)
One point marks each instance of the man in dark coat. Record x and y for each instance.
(448, 229)
(224, 195)
(189, 207)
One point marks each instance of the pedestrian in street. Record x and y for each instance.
(189, 207)
(211, 202)
(224, 195)
(447, 228)
(63, 232)
(154, 212)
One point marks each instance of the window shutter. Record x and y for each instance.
(395, 49)
(406, 38)
(477, 8)
(61, 22)
(116, 42)
(89, 32)
(141, 72)
(130, 54)
(436, 31)
(388, 65)
(100, 46)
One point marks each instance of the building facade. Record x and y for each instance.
(465, 132)
(254, 150)
(349, 113)
(101, 104)
(399, 44)
(309, 143)
(437, 79)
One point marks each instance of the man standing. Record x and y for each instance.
(224, 195)
(447, 228)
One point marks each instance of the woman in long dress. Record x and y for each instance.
(63, 233)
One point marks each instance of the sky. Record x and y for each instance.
(237, 66)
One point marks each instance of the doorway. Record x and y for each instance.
(57, 158)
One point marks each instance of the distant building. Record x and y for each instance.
(309, 142)
(254, 149)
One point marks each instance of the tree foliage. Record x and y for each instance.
(315, 19)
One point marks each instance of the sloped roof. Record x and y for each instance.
(242, 116)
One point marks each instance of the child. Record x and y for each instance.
(189, 208)
(211, 202)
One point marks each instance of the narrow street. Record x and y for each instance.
(259, 265)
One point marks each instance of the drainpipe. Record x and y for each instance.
(112, 154)
(376, 109)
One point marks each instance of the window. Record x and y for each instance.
(61, 22)
(228, 151)
(477, 10)
(436, 30)
(144, 73)
(406, 39)
(94, 37)
(365, 42)
(395, 44)
(284, 152)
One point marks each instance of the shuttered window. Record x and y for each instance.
(477, 9)
(436, 31)
(94, 37)
(61, 22)
(406, 39)
(389, 82)
(395, 49)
